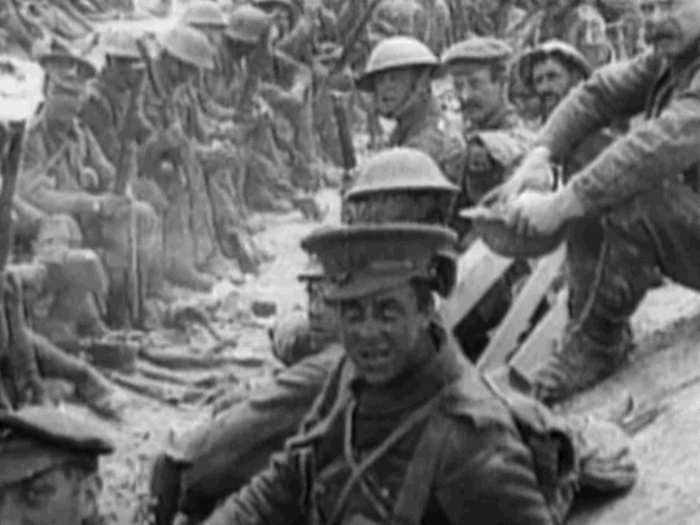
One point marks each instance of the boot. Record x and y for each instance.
(577, 364)
(188, 277)
(608, 276)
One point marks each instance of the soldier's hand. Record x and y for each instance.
(534, 173)
(110, 205)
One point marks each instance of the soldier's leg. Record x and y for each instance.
(611, 265)
(91, 386)
(179, 247)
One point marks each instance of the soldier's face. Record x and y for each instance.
(61, 496)
(671, 26)
(382, 333)
(479, 93)
(552, 82)
(62, 105)
(323, 319)
(392, 88)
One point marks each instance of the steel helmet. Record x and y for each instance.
(400, 169)
(204, 13)
(396, 52)
(558, 49)
(120, 42)
(282, 3)
(491, 226)
(248, 24)
(190, 46)
(400, 184)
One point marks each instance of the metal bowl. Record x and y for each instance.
(490, 225)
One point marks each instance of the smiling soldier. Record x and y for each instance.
(405, 431)
(645, 216)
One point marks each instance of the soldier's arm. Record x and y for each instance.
(615, 92)
(97, 160)
(487, 476)
(238, 444)
(652, 152)
(35, 186)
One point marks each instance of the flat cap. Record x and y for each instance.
(477, 49)
(364, 259)
(36, 439)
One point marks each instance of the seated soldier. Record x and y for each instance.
(222, 456)
(405, 430)
(64, 173)
(50, 468)
(398, 74)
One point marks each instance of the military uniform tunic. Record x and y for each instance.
(484, 472)
(636, 187)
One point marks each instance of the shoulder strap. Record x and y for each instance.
(420, 475)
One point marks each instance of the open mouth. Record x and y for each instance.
(375, 357)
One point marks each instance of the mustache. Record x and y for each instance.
(654, 34)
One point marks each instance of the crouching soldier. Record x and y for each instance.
(50, 468)
(405, 430)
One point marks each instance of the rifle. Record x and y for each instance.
(351, 38)
(256, 66)
(133, 290)
(20, 353)
(347, 148)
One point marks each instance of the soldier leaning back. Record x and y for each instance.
(636, 189)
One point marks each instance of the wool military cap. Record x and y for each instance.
(36, 439)
(478, 49)
(363, 259)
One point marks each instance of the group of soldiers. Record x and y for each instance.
(380, 414)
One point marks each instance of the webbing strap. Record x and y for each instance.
(420, 475)
(357, 470)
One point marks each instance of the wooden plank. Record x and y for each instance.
(541, 342)
(505, 340)
(478, 270)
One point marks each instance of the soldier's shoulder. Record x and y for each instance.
(468, 400)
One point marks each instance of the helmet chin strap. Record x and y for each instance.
(419, 92)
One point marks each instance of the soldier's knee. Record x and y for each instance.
(58, 231)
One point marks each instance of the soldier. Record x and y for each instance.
(222, 456)
(207, 17)
(113, 113)
(64, 172)
(495, 135)
(399, 74)
(496, 139)
(50, 468)
(385, 441)
(551, 70)
(645, 214)
(169, 158)
(300, 336)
